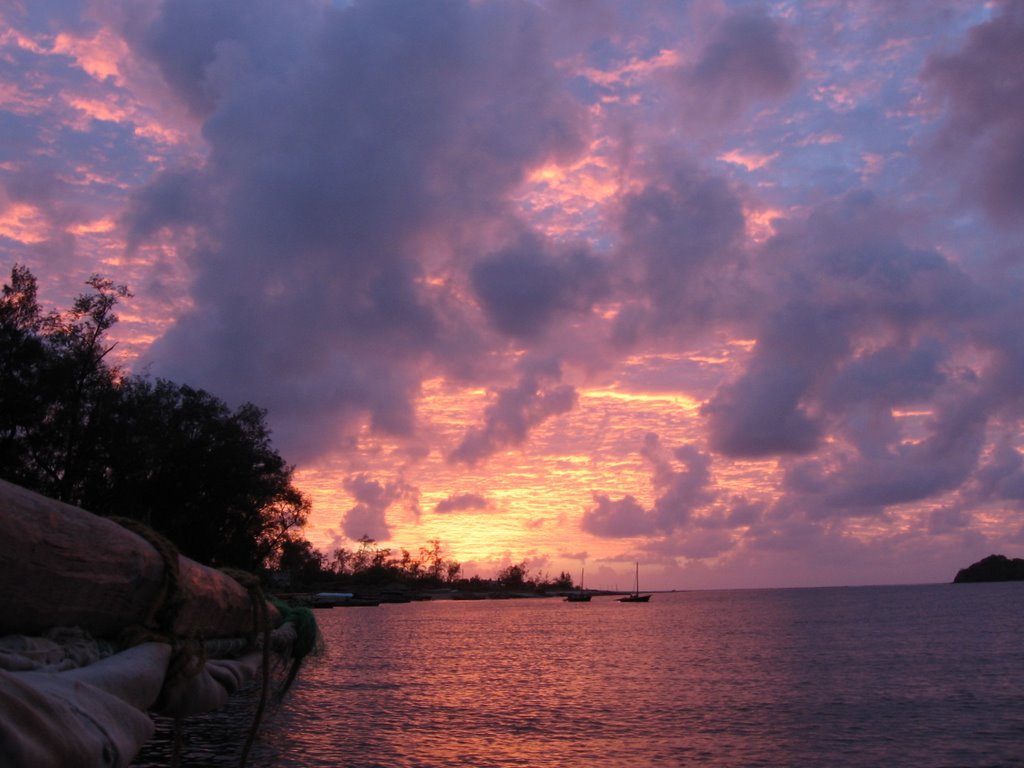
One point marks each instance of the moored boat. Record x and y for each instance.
(580, 596)
(636, 597)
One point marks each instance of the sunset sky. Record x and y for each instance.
(732, 289)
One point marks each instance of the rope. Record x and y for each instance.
(189, 653)
(158, 625)
(260, 619)
(163, 611)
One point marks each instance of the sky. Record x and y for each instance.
(728, 289)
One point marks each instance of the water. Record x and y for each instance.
(894, 676)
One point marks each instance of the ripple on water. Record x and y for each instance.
(910, 676)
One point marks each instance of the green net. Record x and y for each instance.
(308, 632)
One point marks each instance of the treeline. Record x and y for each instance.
(372, 567)
(79, 429)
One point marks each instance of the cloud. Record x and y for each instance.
(982, 137)
(763, 413)
(207, 51)
(618, 518)
(948, 520)
(748, 59)
(878, 373)
(848, 314)
(694, 543)
(382, 200)
(368, 517)
(173, 199)
(895, 375)
(912, 471)
(579, 555)
(522, 288)
(680, 493)
(1002, 477)
(460, 502)
(517, 410)
(682, 229)
(341, 143)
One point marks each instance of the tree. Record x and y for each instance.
(564, 581)
(19, 305)
(411, 568)
(73, 427)
(303, 563)
(341, 562)
(514, 576)
(85, 382)
(204, 475)
(57, 387)
(451, 571)
(433, 559)
(364, 555)
(23, 361)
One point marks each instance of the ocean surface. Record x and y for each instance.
(866, 676)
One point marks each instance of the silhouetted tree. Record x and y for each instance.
(57, 388)
(374, 566)
(74, 428)
(204, 475)
(303, 563)
(514, 576)
(452, 570)
(23, 365)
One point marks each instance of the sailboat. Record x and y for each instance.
(579, 596)
(636, 597)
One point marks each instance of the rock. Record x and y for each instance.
(992, 568)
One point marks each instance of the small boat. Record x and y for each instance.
(636, 597)
(579, 596)
(330, 599)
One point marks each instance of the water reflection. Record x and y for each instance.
(908, 676)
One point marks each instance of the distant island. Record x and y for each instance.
(992, 568)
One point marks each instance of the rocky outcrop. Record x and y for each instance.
(992, 568)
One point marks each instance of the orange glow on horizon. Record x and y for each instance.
(531, 490)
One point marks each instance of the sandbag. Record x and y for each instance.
(63, 566)
(91, 716)
(209, 689)
(59, 649)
